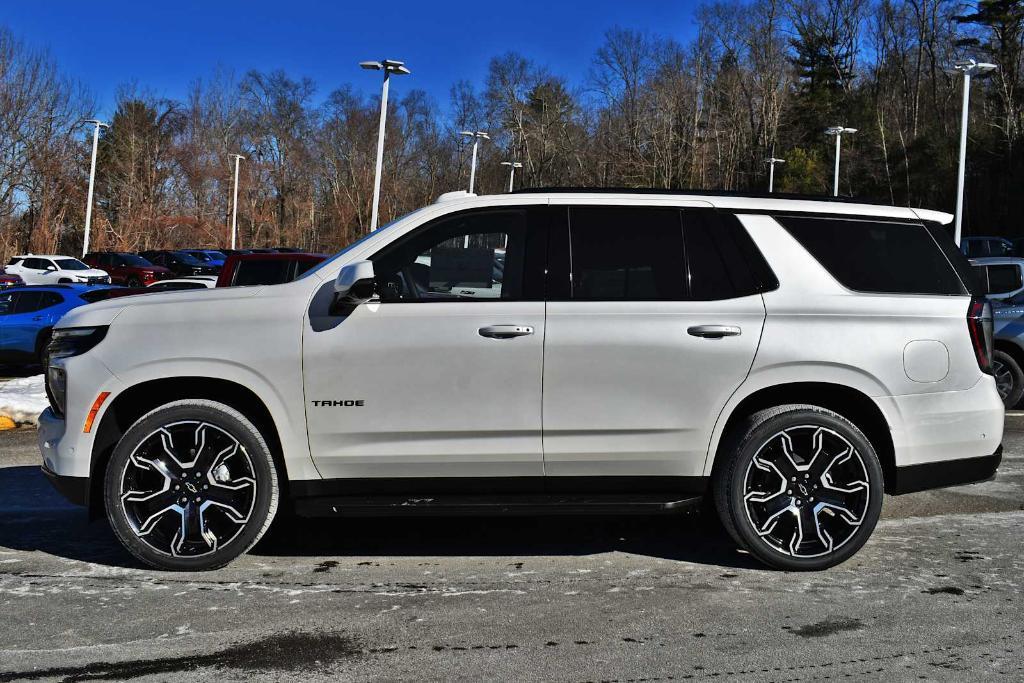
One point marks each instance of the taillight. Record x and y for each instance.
(979, 325)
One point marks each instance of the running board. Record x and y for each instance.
(507, 504)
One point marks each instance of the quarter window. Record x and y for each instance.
(876, 256)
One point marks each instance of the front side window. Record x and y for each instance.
(28, 302)
(7, 303)
(71, 264)
(132, 260)
(474, 256)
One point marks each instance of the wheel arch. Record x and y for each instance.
(137, 400)
(853, 404)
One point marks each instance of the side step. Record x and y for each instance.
(498, 504)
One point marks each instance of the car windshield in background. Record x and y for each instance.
(70, 264)
(135, 260)
(188, 258)
(215, 255)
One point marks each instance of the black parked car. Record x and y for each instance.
(180, 262)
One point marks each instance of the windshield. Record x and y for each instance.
(357, 243)
(188, 258)
(134, 260)
(216, 255)
(70, 264)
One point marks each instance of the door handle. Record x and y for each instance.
(714, 331)
(505, 331)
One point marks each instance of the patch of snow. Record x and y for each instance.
(22, 399)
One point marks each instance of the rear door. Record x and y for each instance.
(7, 302)
(646, 339)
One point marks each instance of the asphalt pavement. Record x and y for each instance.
(935, 595)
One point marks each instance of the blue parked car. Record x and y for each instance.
(28, 314)
(209, 257)
(1008, 348)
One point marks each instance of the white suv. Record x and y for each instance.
(52, 270)
(639, 352)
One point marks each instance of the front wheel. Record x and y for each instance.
(801, 488)
(134, 282)
(190, 486)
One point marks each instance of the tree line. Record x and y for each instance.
(760, 78)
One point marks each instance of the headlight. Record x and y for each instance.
(64, 343)
(74, 341)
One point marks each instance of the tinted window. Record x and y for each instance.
(14, 260)
(133, 260)
(1003, 279)
(971, 278)
(478, 255)
(708, 276)
(168, 286)
(28, 302)
(71, 264)
(7, 303)
(633, 254)
(35, 264)
(262, 272)
(47, 299)
(876, 256)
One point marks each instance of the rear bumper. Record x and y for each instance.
(934, 475)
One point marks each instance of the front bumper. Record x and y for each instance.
(75, 489)
(934, 475)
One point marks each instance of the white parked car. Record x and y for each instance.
(53, 270)
(640, 352)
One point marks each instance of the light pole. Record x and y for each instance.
(92, 180)
(477, 137)
(838, 131)
(771, 171)
(512, 166)
(234, 204)
(969, 67)
(388, 66)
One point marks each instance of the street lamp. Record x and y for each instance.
(388, 66)
(838, 131)
(969, 67)
(234, 203)
(512, 166)
(92, 180)
(477, 137)
(771, 171)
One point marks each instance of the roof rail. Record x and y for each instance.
(702, 193)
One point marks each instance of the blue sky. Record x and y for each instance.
(164, 46)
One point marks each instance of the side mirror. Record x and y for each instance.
(51, 268)
(354, 285)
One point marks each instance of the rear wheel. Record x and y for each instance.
(801, 489)
(1009, 378)
(191, 486)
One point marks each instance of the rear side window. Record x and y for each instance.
(626, 254)
(28, 302)
(973, 279)
(877, 256)
(261, 272)
(1003, 278)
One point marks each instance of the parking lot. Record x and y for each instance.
(936, 594)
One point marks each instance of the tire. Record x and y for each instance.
(133, 282)
(224, 498)
(42, 341)
(1009, 378)
(774, 447)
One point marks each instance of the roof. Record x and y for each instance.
(44, 256)
(737, 201)
(77, 287)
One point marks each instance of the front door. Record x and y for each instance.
(441, 377)
(646, 340)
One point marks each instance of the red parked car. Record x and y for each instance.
(127, 269)
(9, 280)
(265, 269)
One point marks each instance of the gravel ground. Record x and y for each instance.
(936, 594)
